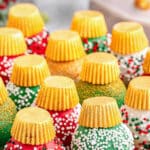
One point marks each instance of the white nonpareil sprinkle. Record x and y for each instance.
(117, 138)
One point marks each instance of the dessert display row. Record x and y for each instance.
(73, 89)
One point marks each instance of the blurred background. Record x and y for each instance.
(58, 14)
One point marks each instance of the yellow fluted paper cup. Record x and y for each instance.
(11, 42)
(128, 38)
(29, 70)
(99, 112)
(33, 126)
(25, 17)
(57, 93)
(100, 68)
(89, 24)
(138, 93)
(64, 45)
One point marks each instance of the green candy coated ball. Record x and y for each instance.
(115, 89)
(5, 128)
(7, 115)
(22, 96)
(114, 138)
